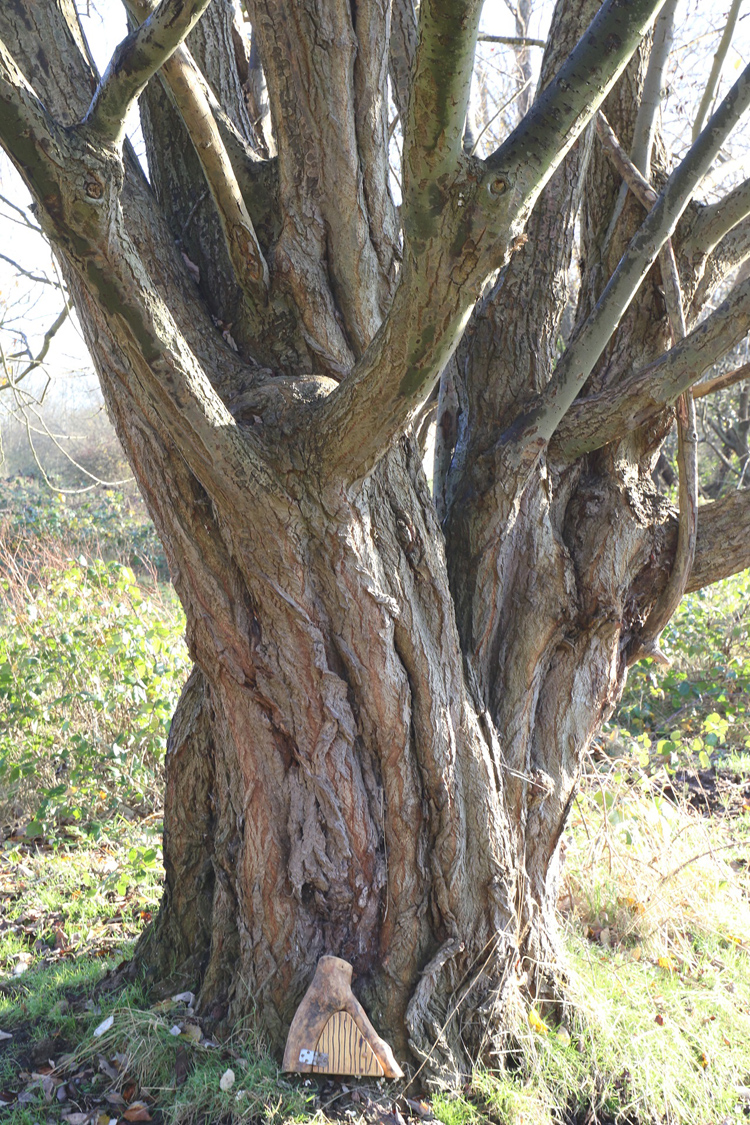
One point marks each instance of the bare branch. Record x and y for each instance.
(437, 289)
(135, 60)
(558, 116)
(718, 219)
(511, 40)
(635, 180)
(23, 219)
(713, 79)
(721, 382)
(36, 277)
(533, 429)
(723, 546)
(188, 90)
(434, 128)
(645, 123)
(41, 355)
(598, 419)
(648, 110)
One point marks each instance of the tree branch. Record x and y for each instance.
(528, 435)
(434, 131)
(41, 355)
(721, 382)
(668, 600)
(598, 419)
(27, 273)
(558, 116)
(402, 49)
(457, 229)
(687, 438)
(135, 60)
(713, 79)
(511, 40)
(27, 131)
(717, 219)
(188, 90)
(631, 174)
(648, 111)
(159, 369)
(644, 128)
(723, 546)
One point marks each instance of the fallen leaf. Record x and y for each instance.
(659, 1019)
(420, 1108)
(129, 1090)
(536, 1023)
(227, 1080)
(108, 1069)
(137, 1112)
(104, 1026)
(192, 1032)
(75, 1118)
(563, 1036)
(5, 1035)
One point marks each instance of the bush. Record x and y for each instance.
(91, 666)
(695, 711)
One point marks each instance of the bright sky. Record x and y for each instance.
(30, 308)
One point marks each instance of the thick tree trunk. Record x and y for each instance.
(333, 786)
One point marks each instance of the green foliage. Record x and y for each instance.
(696, 711)
(102, 524)
(91, 666)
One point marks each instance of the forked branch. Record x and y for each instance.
(529, 434)
(462, 217)
(560, 114)
(598, 419)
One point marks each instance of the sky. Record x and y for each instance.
(29, 308)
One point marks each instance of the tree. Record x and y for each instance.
(378, 748)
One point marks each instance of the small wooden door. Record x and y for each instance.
(346, 1049)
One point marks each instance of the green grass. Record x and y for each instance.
(77, 899)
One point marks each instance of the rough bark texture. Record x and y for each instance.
(376, 753)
